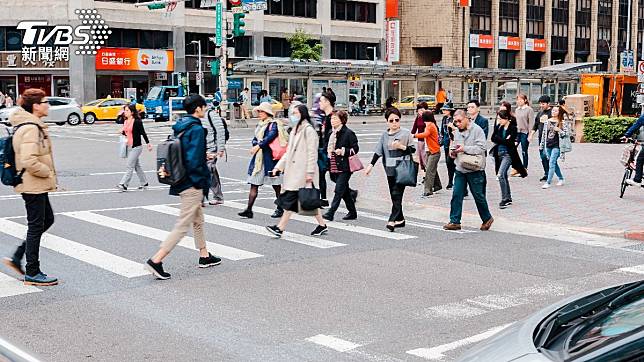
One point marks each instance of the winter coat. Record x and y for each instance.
(510, 143)
(301, 158)
(193, 151)
(270, 134)
(33, 153)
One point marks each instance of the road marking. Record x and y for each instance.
(10, 286)
(637, 269)
(438, 353)
(115, 173)
(334, 343)
(408, 222)
(84, 253)
(107, 191)
(333, 224)
(255, 229)
(223, 251)
(15, 352)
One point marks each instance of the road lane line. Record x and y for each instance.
(223, 251)
(84, 253)
(438, 353)
(408, 222)
(334, 343)
(636, 269)
(15, 352)
(10, 286)
(255, 229)
(333, 224)
(107, 191)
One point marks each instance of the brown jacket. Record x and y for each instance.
(33, 154)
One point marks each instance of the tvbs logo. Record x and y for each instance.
(89, 36)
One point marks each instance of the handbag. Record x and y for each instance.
(277, 150)
(407, 172)
(309, 198)
(123, 147)
(355, 164)
(565, 144)
(471, 162)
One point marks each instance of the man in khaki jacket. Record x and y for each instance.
(34, 160)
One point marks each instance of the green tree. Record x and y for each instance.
(301, 48)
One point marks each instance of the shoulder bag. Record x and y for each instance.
(355, 164)
(407, 172)
(471, 162)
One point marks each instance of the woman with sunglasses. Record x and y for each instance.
(395, 143)
(133, 129)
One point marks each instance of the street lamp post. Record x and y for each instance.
(473, 58)
(200, 75)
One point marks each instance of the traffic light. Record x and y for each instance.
(229, 69)
(238, 24)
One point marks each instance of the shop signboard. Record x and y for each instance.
(44, 57)
(393, 41)
(254, 5)
(391, 10)
(135, 59)
(509, 43)
(483, 41)
(235, 83)
(535, 45)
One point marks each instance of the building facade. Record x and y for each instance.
(349, 30)
(520, 34)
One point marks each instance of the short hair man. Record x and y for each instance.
(474, 112)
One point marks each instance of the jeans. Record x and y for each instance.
(40, 218)
(522, 138)
(544, 162)
(451, 166)
(133, 164)
(639, 165)
(396, 192)
(215, 182)
(553, 157)
(506, 163)
(477, 183)
(191, 214)
(432, 180)
(342, 192)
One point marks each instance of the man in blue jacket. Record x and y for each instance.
(474, 113)
(639, 163)
(191, 189)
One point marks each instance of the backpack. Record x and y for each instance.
(170, 168)
(9, 175)
(214, 130)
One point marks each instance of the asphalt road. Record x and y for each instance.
(358, 293)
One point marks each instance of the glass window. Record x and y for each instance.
(289, 8)
(300, 8)
(130, 39)
(147, 39)
(14, 40)
(350, 50)
(3, 44)
(276, 47)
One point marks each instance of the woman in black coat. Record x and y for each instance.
(505, 154)
(343, 143)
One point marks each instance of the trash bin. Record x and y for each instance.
(237, 110)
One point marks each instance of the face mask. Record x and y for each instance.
(293, 120)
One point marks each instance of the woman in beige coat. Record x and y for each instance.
(34, 160)
(300, 168)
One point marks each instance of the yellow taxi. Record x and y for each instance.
(408, 102)
(277, 107)
(107, 109)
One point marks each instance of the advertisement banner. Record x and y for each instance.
(391, 9)
(464, 3)
(481, 41)
(535, 45)
(135, 59)
(509, 43)
(393, 41)
(254, 5)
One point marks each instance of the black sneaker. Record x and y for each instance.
(350, 216)
(504, 204)
(121, 187)
(327, 216)
(275, 230)
(13, 265)
(449, 187)
(157, 270)
(325, 203)
(543, 179)
(144, 187)
(278, 213)
(209, 261)
(320, 230)
(247, 214)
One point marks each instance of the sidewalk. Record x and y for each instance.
(589, 202)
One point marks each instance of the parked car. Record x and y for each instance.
(107, 109)
(602, 325)
(61, 110)
(408, 101)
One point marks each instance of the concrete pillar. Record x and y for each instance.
(494, 54)
(258, 34)
(572, 33)
(324, 16)
(614, 36)
(523, 18)
(594, 13)
(634, 11)
(547, 34)
(179, 37)
(465, 36)
(82, 68)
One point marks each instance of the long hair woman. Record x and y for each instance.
(133, 129)
(555, 129)
(300, 167)
(419, 127)
(505, 154)
(433, 153)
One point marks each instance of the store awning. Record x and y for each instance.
(566, 67)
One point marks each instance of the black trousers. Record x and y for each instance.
(396, 192)
(40, 217)
(639, 166)
(342, 192)
(451, 166)
(322, 182)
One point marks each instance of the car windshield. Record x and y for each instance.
(407, 99)
(154, 93)
(614, 325)
(93, 103)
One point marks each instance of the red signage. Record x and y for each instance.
(535, 45)
(481, 41)
(509, 43)
(465, 3)
(391, 10)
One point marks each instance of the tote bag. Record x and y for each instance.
(309, 198)
(355, 164)
(123, 147)
(407, 172)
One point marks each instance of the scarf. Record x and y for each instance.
(332, 139)
(262, 126)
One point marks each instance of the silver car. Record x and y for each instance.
(603, 325)
(61, 110)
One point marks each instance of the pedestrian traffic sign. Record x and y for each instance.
(640, 71)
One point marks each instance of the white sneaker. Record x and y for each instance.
(561, 183)
(545, 186)
(633, 183)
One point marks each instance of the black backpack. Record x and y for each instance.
(9, 175)
(214, 130)
(170, 168)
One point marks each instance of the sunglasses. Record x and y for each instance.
(394, 120)
(43, 102)
(456, 121)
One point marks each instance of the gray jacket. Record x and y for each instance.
(474, 143)
(212, 145)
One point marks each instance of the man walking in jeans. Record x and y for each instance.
(192, 189)
(33, 155)
(216, 146)
(470, 140)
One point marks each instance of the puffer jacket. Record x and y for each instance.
(32, 147)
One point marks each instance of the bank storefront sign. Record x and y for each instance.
(135, 59)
